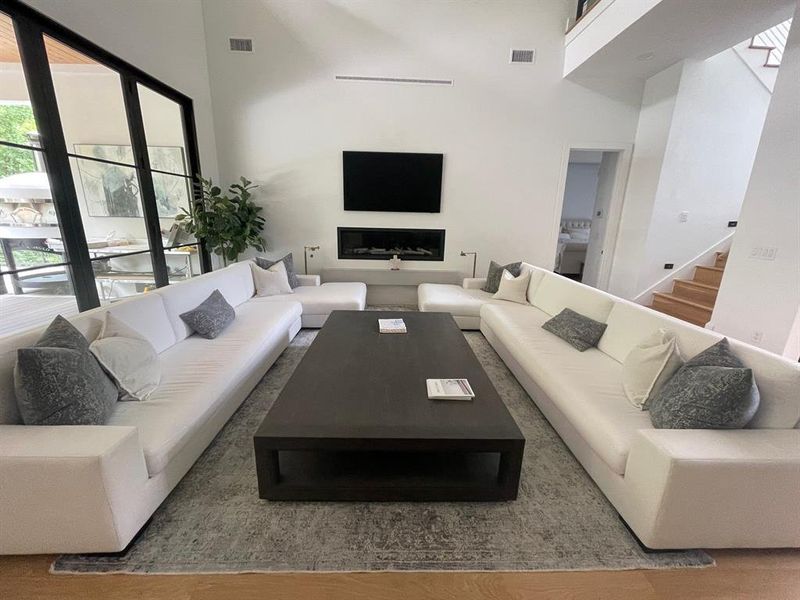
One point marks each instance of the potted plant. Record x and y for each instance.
(228, 223)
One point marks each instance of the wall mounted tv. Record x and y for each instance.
(392, 181)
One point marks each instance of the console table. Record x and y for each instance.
(387, 287)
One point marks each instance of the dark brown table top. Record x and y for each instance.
(356, 383)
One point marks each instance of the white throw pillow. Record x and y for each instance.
(128, 358)
(272, 281)
(649, 366)
(513, 289)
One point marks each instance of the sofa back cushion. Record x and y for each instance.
(537, 275)
(234, 282)
(555, 293)
(777, 379)
(144, 314)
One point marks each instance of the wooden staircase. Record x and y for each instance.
(693, 299)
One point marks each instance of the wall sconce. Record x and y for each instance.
(474, 260)
(306, 250)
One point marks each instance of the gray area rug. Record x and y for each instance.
(214, 521)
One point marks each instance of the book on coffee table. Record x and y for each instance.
(449, 389)
(392, 326)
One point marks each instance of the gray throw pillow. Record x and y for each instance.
(577, 330)
(211, 316)
(714, 390)
(496, 273)
(58, 381)
(288, 262)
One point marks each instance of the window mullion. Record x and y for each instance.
(148, 194)
(45, 109)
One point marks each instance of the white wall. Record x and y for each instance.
(652, 133)
(696, 158)
(164, 38)
(283, 120)
(716, 125)
(759, 296)
(580, 191)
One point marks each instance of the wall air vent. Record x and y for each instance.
(240, 44)
(414, 80)
(522, 56)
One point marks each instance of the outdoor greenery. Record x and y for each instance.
(16, 121)
(31, 258)
(228, 223)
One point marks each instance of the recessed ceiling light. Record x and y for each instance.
(646, 56)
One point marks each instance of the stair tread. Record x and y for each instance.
(699, 284)
(720, 269)
(681, 300)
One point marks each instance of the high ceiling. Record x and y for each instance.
(57, 52)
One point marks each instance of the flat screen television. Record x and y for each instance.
(392, 181)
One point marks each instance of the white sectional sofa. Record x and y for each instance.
(91, 488)
(674, 488)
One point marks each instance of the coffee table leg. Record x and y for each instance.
(268, 471)
(509, 472)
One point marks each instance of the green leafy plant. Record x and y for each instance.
(229, 223)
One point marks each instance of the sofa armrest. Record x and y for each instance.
(714, 488)
(473, 283)
(312, 280)
(69, 488)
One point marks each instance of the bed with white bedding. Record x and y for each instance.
(573, 241)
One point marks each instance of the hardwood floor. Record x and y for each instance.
(765, 575)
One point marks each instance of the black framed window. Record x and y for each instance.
(101, 158)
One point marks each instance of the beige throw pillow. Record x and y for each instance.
(272, 281)
(128, 358)
(649, 366)
(513, 289)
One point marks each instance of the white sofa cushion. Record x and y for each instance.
(649, 366)
(585, 386)
(537, 275)
(145, 314)
(555, 293)
(322, 299)
(456, 300)
(234, 282)
(199, 375)
(271, 281)
(778, 379)
(513, 289)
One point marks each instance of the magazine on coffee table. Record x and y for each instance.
(449, 389)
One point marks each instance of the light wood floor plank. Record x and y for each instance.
(765, 575)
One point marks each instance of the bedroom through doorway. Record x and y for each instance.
(583, 237)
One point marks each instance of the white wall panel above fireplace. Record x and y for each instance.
(283, 120)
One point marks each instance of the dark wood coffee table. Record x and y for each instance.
(354, 421)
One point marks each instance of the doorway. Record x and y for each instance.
(590, 210)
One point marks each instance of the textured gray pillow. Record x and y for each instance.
(496, 273)
(714, 390)
(211, 317)
(59, 382)
(288, 262)
(577, 330)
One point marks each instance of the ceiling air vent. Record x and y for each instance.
(240, 44)
(522, 56)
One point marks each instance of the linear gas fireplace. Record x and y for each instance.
(369, 243)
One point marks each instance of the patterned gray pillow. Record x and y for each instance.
(577, 330)
(288, 262)
(59, 382)
(496, 273)
(211, 316)
(714, 390)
